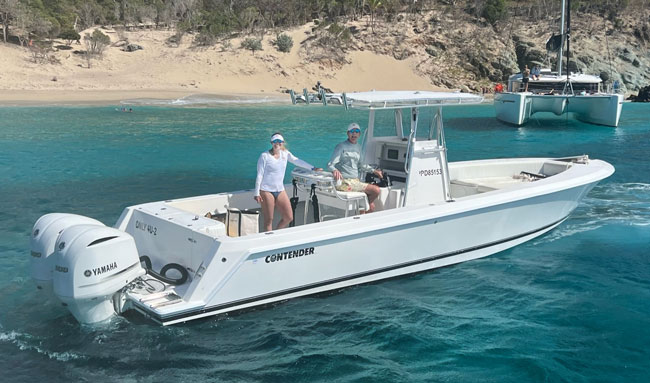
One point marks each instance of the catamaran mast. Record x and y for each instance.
(559, 53)
(568, 38)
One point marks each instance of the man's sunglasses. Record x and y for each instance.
(354, 131)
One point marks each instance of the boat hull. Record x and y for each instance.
(247, 272)
(600, 109)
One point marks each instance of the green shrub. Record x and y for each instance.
(69, 36)
(252, 44)
(97, 42)
(284, 43)
(333, 36)
(339, 32)
(494, 11)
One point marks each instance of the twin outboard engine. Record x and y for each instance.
(84, 263)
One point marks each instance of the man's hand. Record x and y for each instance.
(337, 174)
(379, 173)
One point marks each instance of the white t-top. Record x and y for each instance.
(270, 170)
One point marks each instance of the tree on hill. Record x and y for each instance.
(23, 19)
(69, 36)
(8, 10)
(494, 10)
(95, 44)
(373, 6)
(88, 12)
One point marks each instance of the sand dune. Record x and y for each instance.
(161, 71)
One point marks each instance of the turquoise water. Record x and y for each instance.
(571, 306)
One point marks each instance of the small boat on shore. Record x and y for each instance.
(430, 214)
(321, 97)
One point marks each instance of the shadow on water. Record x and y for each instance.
(548, 121)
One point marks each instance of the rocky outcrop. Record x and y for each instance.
(643, 96)
(455, 49)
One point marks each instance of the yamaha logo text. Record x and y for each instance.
(101, 270)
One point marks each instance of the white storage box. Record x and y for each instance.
(242, 222)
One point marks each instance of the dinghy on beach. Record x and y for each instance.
(431, 214)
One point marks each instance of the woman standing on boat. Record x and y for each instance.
(269, 184)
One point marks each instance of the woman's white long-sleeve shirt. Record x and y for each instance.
(270, 170)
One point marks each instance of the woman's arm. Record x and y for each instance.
(298, 162)
(260, 174)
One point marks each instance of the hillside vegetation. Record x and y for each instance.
(453, 43)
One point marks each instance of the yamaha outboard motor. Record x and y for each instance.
(86, 264)
(44, 235)
(91, 264)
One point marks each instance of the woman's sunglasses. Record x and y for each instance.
(277, 142)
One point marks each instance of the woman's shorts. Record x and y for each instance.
(351, 185)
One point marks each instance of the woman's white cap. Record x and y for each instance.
(353, 125)
(277, 137)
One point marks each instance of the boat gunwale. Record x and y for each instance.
(566, 179)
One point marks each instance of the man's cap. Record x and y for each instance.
(353, 125)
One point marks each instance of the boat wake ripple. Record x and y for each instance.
(23, 342)
(620, 204)
(206, 100)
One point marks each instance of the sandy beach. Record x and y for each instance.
(166, 72)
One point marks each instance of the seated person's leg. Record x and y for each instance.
(351, 185)
(372, 191)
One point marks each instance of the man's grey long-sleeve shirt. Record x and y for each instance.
(347, 159)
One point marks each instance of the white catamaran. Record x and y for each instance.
(576, 93)
(431, 214)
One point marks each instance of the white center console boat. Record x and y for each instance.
(432, 214)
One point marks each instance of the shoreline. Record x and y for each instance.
(127, 97)
(152, 97)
